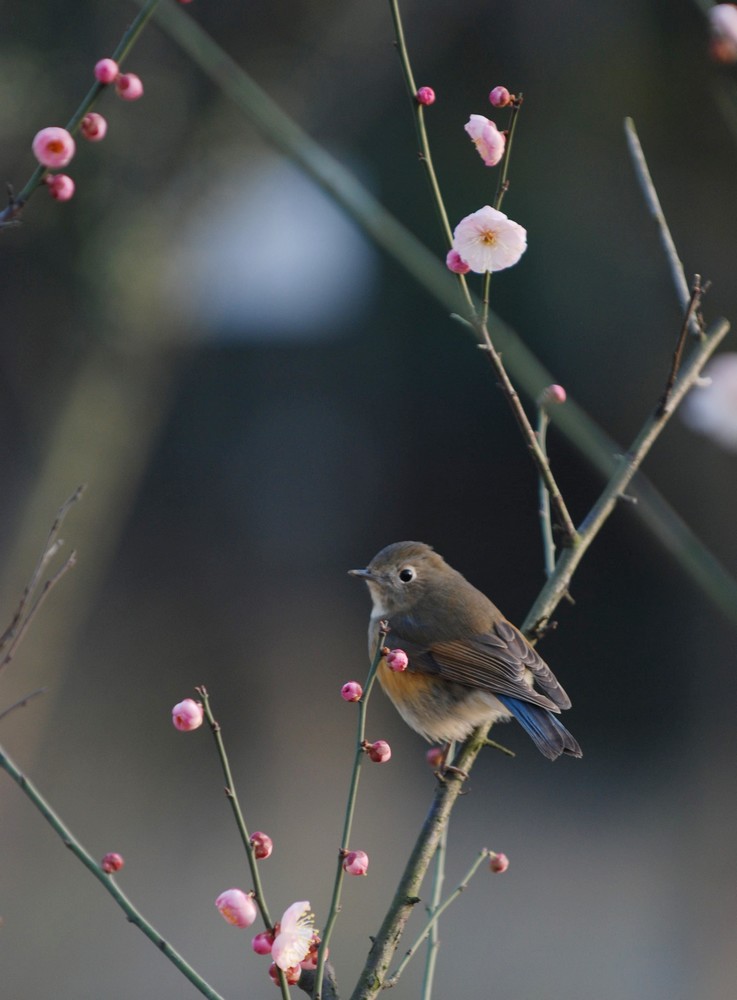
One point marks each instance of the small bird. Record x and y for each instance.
(467, 664)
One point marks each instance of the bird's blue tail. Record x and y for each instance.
(548, 734)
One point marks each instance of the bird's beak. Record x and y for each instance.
(364, 573)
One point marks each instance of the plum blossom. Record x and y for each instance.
(187, 715)
(294, 937)
(711, 408)
(53, 147)
(489, 241)
(487, 139)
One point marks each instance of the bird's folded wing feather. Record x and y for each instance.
(496, 661)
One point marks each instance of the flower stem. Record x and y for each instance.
(349, 812)
(433, 911)
(133, 915)
(124, 46)
(435, 914)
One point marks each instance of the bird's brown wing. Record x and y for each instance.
(497, 661)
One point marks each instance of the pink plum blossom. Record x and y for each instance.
(455, 263)
(487, 139)
(294, 935)
(93, 127)
(356, 863)
(106, 71)
(53, 147)
(187, 715)
(711, 408)
(489, 241)
(61, 186)
(129, 86)
(112, 862)
(352, 691)
(425, 95)
(397, 660)
(237, 907)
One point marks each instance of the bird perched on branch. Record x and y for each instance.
(467, 664)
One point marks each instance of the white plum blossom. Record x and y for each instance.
(711, 408)
(487, 139)
(489, 241)
(296, 932)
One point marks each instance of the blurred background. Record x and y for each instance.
(259, 401)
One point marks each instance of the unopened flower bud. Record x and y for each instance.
(425, 95)
(112, 862)
(93, 127)
(397, 659)
(500, 97)
(379, 752)
(356, 863)
(187, 715)
(435, 757)
(352, 691)
(237, 907)
(106, 71)
(263, 942)
(129, 86)
(292, 974)
(455, 263)
(262, 845)
(61, 186)
(552, 395)
(498, 863)
(310, 962)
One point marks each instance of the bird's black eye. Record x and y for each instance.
(406, 574)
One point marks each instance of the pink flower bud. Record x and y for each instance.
(425, 95)
(187, 715)
(455, 263)
(61, 186)
(723, 26)
(292, 974)
(112, 862)
(498, 862)
(435, 757)
(53, 147)
(262, 845)
(356, 863)
(237, 907)
(379, 752)
(262, 943)
(93, 127)
(106, 71)
(552, 395)
(352, 691)
(129, 87)
(500, 97)
(397, 659)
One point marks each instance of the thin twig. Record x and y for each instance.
(434, 917)
(358, 758)
(697, 293)
(653, 203)
(546, 525)
(22, 702)
(433, 910)
(133, 915)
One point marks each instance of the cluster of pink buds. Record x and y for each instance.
(127, 85)
(54, 147)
